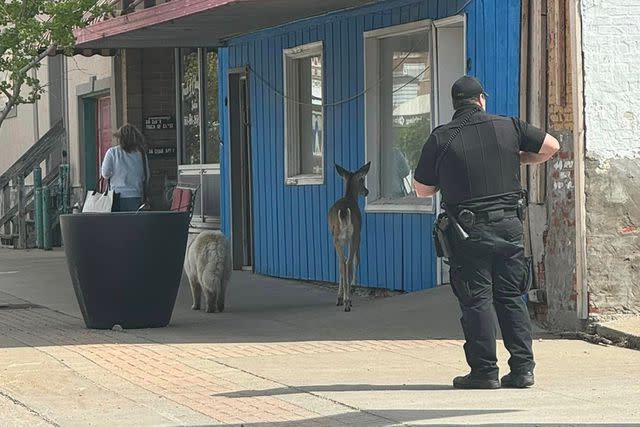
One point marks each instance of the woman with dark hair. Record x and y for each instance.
(126, 167)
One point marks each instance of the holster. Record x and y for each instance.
(523, 203)
(441, 241)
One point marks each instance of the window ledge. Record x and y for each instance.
(398, 206)
(305, 180)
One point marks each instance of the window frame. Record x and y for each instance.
(371, 40)
(200, 219)
(292, 115)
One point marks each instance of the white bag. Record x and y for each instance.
(99, 202)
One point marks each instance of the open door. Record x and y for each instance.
(450, 54)
(241, 212)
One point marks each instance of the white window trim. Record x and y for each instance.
(290, 109)
(373, 203)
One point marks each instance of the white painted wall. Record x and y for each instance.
(17, 134)
(611, 45)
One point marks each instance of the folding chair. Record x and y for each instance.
(183, 198)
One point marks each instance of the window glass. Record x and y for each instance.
(405, 109)
(212, 143)
(304, 114)
(190, 99)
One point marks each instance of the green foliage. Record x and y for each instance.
(28, 30)
(410, 139)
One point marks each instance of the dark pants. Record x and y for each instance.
(488, 275)
(128, 204)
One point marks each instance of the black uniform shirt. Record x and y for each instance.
(483, 160)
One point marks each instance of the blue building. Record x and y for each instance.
(303, 86)
(362, 84)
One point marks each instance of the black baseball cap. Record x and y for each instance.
(466, 87)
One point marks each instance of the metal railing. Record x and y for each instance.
(27, 209)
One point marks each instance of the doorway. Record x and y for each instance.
(96, 124)
(239, 138)
(103, 130)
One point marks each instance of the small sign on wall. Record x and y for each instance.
(159, 122)
(162, 152)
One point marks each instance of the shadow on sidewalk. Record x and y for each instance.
(335, 388)
(382, 417)
(259, 310)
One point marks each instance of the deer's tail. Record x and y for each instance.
(344, 216)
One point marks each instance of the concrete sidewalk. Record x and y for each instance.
(282, 355)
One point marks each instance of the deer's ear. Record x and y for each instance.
(364, 169)
(342, 171)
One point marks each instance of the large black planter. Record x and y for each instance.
(125, 266)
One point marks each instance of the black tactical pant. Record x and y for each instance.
(488, 274)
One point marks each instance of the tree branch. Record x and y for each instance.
(37, 59)
(10, 102)
(6, 93)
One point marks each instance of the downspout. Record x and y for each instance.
(65, 108)
(577, 73)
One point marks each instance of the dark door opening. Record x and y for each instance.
(241, 214)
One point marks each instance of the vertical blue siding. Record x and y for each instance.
(291, 236)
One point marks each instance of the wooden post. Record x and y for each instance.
(22, 214)
(537, 86)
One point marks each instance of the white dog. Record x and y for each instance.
(208, 267)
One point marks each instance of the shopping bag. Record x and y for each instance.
(97, 201)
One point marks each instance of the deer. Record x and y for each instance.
(345, 224)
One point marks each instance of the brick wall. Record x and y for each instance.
(159, 99)
(149, 87)
(554, 222)
(611, 42)
(612, 79)
(559, 90)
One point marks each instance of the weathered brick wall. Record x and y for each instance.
(611, 42)
(553, 223)
(559, 87)
(159, 99)
(149, 85)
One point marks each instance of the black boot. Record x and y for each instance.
(470, 382)
(518, 380)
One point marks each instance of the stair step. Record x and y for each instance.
(7, 240)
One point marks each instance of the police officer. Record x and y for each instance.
(475, 162)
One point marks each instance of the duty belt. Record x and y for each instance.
(469, 218)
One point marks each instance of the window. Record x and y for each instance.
(190, 98)
(212, 142)
(401, 105)
(304, 119)
(199, 130)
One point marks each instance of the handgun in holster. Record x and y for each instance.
(523, 203)
(440, 237)
(461, 234)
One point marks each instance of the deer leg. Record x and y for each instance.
(343, 272)
(354, 250)
(347, 283)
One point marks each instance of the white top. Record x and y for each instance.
(125, 171)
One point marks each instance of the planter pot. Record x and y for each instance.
(125, 266)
